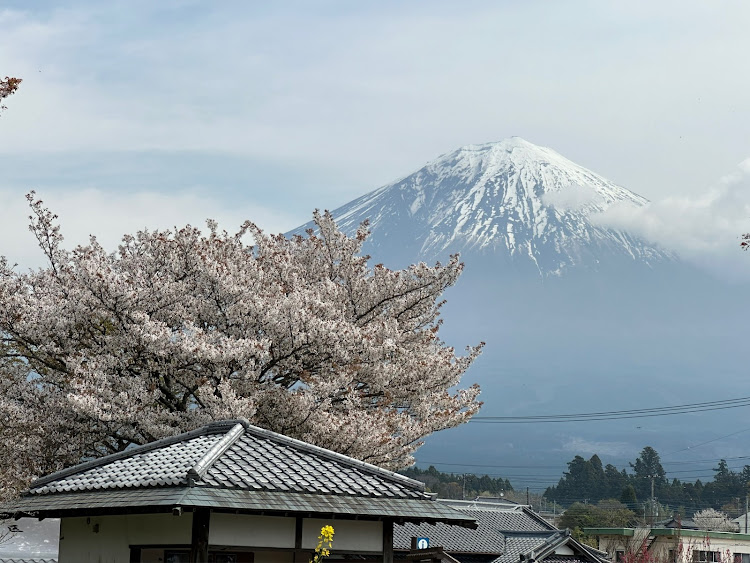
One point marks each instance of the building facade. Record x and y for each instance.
(672, 545)
(227, 493)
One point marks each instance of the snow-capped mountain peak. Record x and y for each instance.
(511, 199)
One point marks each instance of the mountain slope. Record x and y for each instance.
(514, 200)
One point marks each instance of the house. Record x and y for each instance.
(505, 533)
(743, 523)
(227, 492)
(673, 544)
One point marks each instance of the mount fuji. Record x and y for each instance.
(577, 316)
(512, 202)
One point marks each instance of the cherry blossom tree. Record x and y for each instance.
(103, 350)
(8, 86)
(712, 519)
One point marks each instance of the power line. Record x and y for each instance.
(693, 446)
(616, 415)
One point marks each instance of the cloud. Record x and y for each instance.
(573, 197)
(581, 446)
(705, 229)
(375, 90)
(108, 216)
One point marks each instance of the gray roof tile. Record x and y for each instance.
(495, 533)
(504, 533)
(226, 456)
(152, 499)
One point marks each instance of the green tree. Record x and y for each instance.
(579, 515)
(649, 465)
(612, 513)
(647, 468)
(628, 495)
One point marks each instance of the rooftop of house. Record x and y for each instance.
(504, 534)
(232, 465)
(670, 532)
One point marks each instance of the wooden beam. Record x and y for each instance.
(199, 536)
(299, 555)
(387, 541)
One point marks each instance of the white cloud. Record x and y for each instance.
(572, 197)
(581, 446)
(373, 92)
(705, 229)
(108, 216)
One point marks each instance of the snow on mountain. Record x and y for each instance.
(511, 199)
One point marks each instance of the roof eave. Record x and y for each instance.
(164, 499)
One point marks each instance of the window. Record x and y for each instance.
(182, 555)
(706, 557)
(742, 558)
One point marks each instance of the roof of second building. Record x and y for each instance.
(504, 534)
(498, 531)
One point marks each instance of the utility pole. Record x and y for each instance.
(463, 488)
(652, 501)
(746, 495)
(527, 496)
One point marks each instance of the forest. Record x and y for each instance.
(589, 481)
(462, 485)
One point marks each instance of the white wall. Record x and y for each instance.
(107, 539)
(727, 544)
(80, 542)
(241, 529)
(349, 535)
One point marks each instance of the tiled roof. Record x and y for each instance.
(503, 535)
(490, 536)
(277, 466)
(516, 545)
(235, 456)
(564, 559)
(233, 465)
(26, 560)
(151, 468)
(164, 498)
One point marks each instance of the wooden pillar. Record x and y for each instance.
(299, 555)
(199, 537)
(387, 541)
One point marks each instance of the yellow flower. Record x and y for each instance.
(324, 539)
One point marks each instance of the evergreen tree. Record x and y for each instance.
(628, 496)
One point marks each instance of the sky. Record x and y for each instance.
(144, 114)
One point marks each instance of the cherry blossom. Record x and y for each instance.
(101, 350)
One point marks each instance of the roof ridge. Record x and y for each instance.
(529, 533)
(529, 512)
(335, 456)
(483, 506)
(201, 466)
(550, 544)
(211, 428)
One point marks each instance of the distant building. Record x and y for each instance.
(673, 544)
(505, 533)
(743, 523)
